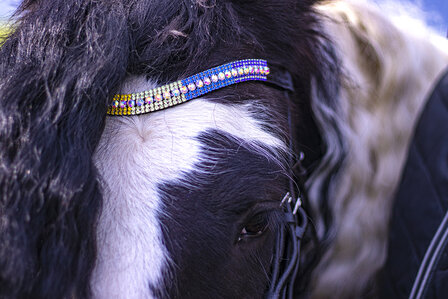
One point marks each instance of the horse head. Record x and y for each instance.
(181, 202)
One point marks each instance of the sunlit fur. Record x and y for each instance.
(390, 64)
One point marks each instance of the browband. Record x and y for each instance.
(190, 88)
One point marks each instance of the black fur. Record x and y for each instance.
(58, 70)
(214, 200)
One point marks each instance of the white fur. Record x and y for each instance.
(135, 154)
(391, 62)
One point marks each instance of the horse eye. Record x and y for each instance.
(255, 227)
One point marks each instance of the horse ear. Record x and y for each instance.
(57, 71)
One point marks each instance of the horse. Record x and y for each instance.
(185, 202)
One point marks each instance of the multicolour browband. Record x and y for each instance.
(190, 88)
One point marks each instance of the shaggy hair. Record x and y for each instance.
(390, 64)
(60, 67)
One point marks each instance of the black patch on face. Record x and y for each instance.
(204, 213)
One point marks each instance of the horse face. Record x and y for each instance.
(188, 196)
(191, 201)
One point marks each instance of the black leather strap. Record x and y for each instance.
(287, 250)
(281, 78)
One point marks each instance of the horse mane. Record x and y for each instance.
(58, 70)
(389, 66)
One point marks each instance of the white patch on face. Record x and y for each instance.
(137, 153)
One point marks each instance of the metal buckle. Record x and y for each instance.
(287, 251)
(297, 204)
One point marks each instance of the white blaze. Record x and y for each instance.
(135, 154)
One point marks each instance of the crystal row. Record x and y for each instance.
(190, 88)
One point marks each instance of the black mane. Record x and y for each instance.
(58, 70)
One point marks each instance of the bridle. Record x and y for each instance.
(287, 248)
(288, 241)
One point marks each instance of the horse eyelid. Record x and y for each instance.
(270, 219)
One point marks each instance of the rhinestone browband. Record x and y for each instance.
(190, 88)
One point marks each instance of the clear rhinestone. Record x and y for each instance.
(191, 86)
(166, 95)
(176, 93)
(221, 76)
(199, 83)
(183, 89)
